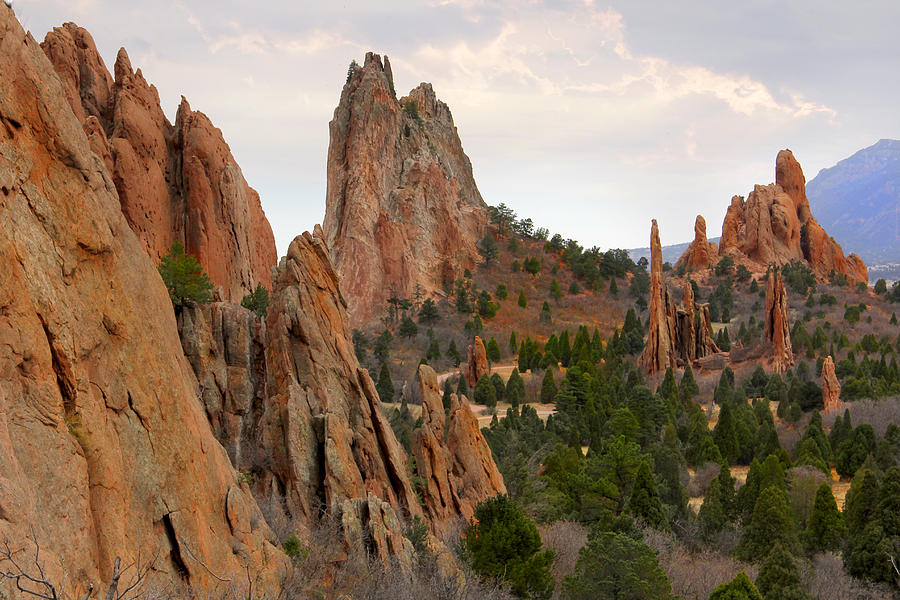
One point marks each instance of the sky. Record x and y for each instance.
(589, 117)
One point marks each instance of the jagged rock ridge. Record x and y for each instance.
(402, 208)
(104, 447)
(778, 326)
(775, 226)
(176, 183)
(678, 335)
(701, 253)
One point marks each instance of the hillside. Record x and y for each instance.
(858, 202)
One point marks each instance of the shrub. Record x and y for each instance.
(257, 301)
(184, 278)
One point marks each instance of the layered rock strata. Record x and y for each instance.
(778, 327)
(105, 449)
(476, 362)
(176, 183)
(452, 457)
(678, 335)
(701, 253)
(402, 208)
(831, 388)
(775, 226)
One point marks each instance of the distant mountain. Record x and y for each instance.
(857, 201)
(670, 253)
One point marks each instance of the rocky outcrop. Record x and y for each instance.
(701, 253)
(778, 327)
(105, 449)
(175, 183)
(476, 362)
(402, 208)
(775, 226)
(831, 388)
(452, 457)
(678, 335)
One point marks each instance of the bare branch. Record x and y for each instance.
(202, 564)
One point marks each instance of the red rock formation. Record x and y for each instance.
(457, 467)
(831, 387)
(476, 362)
(175, 183)
(104, 448)
(778, 327)
(680, 334)
(701, 253)
(775, 226)
(402, 207)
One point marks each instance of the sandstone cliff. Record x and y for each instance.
(175, 183)
(402, 207)
(105, 449)
(701, 253)
(778, 326)
(452, 457)
(775, 226)
(678, 335)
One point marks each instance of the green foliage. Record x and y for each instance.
(548, 387)
(499, 387)
(771, 522)
(462, 387)
(294, 548)
(453, 353)
(488, 248)
(515, 388)
(532, 265)
(644, 502)
(523, 301)
(779, 576)
(257, 301)
(429, 314)
(485, 392)
(360, 345)
(502, 293)
(502, 543)
(385, 386)
(545, 315)
(493, 350)
(184, 278)
(617, 567)
(417, 534)
(408, 328)
(555, 290)
(613, 287)
(382, 346)
(799, 277)
(825, 528)
(739, 588)
(724, 266)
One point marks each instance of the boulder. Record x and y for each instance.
(402, 210)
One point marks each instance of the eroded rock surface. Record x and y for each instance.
(678, 335)
(775, 226)
(176, 183)
(701, 253)
(105, 449)
(778, 326)
(476, 362)
(402, 207)
(831, 387)
(457, 466)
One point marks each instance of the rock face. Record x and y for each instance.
(402, 208)
(778, 327)
(831, 387)
(775, 226)
(680, 334)
(175, 183)
(105, 449)
(476, 362)
(701, 253)
(289, 402)
(456, 466)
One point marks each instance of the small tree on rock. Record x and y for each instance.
(184, 278)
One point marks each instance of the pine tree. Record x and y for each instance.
(725, 434)
(523, 301)
(453, 353)
(644, 502)
(668, 389)
(515, 388)
(770, 523)
(739, 588)
(493, 351)
(688, 386)
(448, 391)
(408, 328)
(513, 346)
(485, 392)
(613, 287)
(429, 314)
(779, 576)
(825, 528)
(385, 386)
(462, 387)
(434, 350)
(555, 290)
(184, 278)
(548, 387)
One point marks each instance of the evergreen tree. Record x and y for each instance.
(555, 290)
(523, 301)
(739, 588)
(462, 387)
(434, 350)
(448, 391)
(499, 387)
(688, 386)
(408, 328)
(644, 502)
(513, 346)
(257, 301)
(613, 287)
(545, 316)
(770, 523)
(485, 392)
(493, 351)
(385, 386)
(515, 388)
(548, 387)
(453, 353)
(502, 542)
(184, 278)
(429, 314)
(825, 528)
(725, 435)
(668, 389)
(779, 576)
(617, 567)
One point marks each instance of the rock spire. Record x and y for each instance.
(778, 327)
